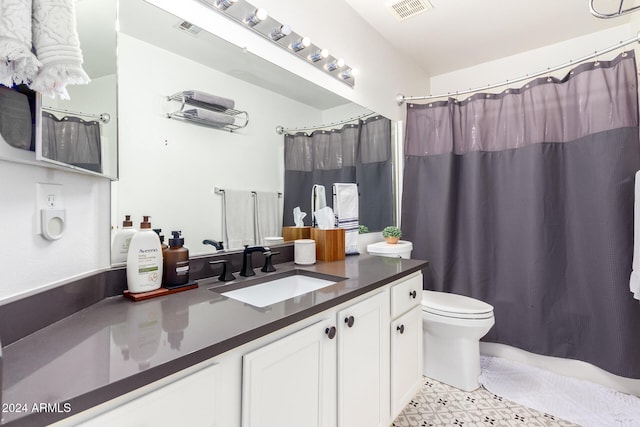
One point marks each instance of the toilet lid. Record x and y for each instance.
(449, 304)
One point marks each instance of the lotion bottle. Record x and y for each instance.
(176, 266)
(144, 260)
(121, 241)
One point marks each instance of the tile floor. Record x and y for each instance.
(438, 404)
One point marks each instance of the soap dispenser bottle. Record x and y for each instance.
(121, 240)
(144, 260)
(176, 264)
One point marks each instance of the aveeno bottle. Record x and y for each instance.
(144, 260)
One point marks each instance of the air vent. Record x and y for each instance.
(405, 9)
(188, 27)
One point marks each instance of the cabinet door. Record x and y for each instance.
(363, 363)
(406, 359)
(189, 401)
(292, 381)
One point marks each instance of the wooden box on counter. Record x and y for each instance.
(290, 234)
(330, 244)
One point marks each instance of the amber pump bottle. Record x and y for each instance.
(176, 262)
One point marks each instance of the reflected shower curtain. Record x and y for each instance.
(525, 200)
(359, 153)
(72, 140)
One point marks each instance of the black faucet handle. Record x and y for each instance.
(226, 275)
(268, 264)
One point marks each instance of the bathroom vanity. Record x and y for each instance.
(346, 354)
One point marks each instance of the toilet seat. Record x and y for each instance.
(455, 306)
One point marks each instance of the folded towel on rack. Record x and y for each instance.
(345, 207)
(268, 215)
(634, 280)
(15, 118)
(219, 101)
(211, 117)
(17, 63)
(238, 211)
(57, 46)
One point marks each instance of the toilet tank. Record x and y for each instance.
(402, 249)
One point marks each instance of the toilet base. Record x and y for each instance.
(452, 361)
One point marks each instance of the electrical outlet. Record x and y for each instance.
(49, 196)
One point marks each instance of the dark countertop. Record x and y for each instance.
(117, 345)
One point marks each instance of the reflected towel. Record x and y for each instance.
(268, 216)
(219, 101)
(318, 199)
(345, 207)
(17, 63)
(634, 280)
(57, 46)
(238, 212)
(211, 117)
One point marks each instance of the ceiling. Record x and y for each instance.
(456, 34)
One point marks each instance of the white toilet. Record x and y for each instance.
(452, 327)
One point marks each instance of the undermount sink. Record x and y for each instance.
(265, 291)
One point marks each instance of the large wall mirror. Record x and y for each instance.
(170, 169)
(79, 133)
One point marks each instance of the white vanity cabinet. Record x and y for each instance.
(292, 382)
(342, 362)
(406, 342)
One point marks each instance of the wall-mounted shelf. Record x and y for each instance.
(220, 118)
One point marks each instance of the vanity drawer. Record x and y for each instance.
(406, 295)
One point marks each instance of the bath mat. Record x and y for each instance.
(575, 400)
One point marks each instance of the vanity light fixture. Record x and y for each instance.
(335, 64)
(319, 55)
(256, 17)
(223, 4)
(280, 32)
(349, 73)
(302, 43)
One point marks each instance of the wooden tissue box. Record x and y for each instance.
(290, 234)
(330, 244)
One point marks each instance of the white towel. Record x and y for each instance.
(17, 63)
(318, 199)
(238, 218)
(634, 280)
(212, 117)
(345, 207)
(56, 44)
(197, 95)
(268, 216)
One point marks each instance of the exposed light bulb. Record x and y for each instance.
(223, 4)
(258, 16)
(301, 44)
(319, 55)
(280, 32)
(335, 64)
(349, 73)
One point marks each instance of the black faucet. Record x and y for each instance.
(247, 267)
(218, 245)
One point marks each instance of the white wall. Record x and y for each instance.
(168, 164)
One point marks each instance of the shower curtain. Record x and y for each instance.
(357, 153)
(72, 140)
(524, 200)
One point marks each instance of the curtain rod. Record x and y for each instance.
(402, 99)
(281, 129)
(221, 191)
(103, 117)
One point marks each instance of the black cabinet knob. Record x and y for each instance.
(400, 328)
(413, 294)
(349, 321)
(331, 332)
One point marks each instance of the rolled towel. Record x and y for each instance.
(17, 63)
(57, 47)
(212, 117)
(219, 101)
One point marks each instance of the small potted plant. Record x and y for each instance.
(363, 229)
(391, 234)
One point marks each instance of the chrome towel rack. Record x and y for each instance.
(621, 11)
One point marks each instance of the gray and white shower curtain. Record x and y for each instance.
(72, 140)
(357, 153)
(524, 200)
